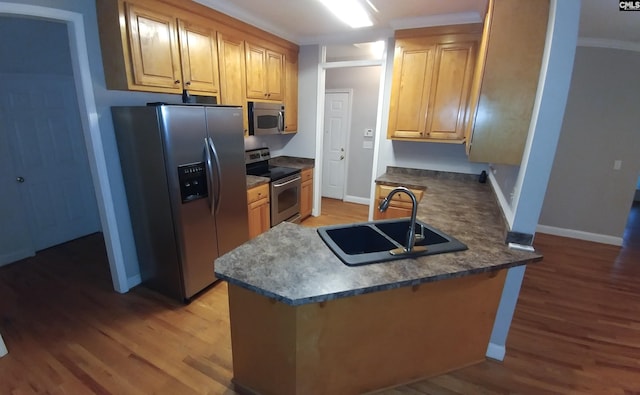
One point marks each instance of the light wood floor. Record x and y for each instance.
(576, 328)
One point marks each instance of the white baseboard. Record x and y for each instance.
(580, 235)
(134, 280)
(495, 351)
(357, 200)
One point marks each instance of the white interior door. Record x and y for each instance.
(41, 123)
(336, 129)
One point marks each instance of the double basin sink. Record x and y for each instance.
(371, 242)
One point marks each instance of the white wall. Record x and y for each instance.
(365, 83)
(303, 143)
(601, 125)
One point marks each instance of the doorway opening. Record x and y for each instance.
(352, 81)
(90, 128)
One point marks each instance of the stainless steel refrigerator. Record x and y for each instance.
(184, 175)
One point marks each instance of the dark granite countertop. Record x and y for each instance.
(292, 161)
(290, 263)
(254, 181)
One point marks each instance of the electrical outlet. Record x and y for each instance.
(617, 164)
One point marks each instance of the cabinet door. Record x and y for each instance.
(199, 51)
(450, 94)
(154, 48)
(231, 65)
(231, 62)
(410, 90)
(264, 73)
(291, 94)
(274, 79)
(256, 72)
(509, 83)
(259, 217)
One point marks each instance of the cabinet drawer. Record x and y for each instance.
(383, 190)
(306, 174)
(257, 193)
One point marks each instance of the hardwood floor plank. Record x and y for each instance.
(576, 328)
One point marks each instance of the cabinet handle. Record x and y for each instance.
(188, 83)
(176, 81)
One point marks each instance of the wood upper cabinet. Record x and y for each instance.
(153, 41)
(232, 73)
(432, 75)
(199, 50)
(306, 193)
(506, 80)
(291, 93)
(264, 73)
(259, 210)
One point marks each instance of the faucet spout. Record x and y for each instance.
(411, 233)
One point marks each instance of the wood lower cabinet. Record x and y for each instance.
(506, 80)
(306, 194)
(432, 76)
(400, 205)
(259, 210)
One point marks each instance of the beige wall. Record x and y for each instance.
(601, 125)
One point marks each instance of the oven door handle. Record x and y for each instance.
(287, 183)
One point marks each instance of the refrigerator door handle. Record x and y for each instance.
(214, 156)
(209, 165)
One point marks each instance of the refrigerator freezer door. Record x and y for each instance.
(184, 133)
(224, 125)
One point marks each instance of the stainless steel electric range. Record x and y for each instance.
(284, 185)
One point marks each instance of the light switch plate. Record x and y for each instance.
(368, 132)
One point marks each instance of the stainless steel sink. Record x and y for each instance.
(371, 242)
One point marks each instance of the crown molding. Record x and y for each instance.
(247, 17)
(608, 43)
(437, 20)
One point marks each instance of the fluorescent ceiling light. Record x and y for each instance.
(350, 12)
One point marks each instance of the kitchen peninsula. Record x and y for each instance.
(302, 322)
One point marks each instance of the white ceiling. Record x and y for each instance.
(309, 22)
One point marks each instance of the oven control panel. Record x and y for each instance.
(193, 182)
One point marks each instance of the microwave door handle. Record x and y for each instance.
(287, 183)
(216, 161)
(280, 121)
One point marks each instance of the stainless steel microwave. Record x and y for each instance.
(265, 118)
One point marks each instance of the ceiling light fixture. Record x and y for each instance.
(350, 12)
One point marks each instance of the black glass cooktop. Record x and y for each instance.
(273, 172)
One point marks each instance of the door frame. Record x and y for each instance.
(323, 65)
(349, 92)
(90, 128)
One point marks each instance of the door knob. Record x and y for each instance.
(341, 157)
(20, 179)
